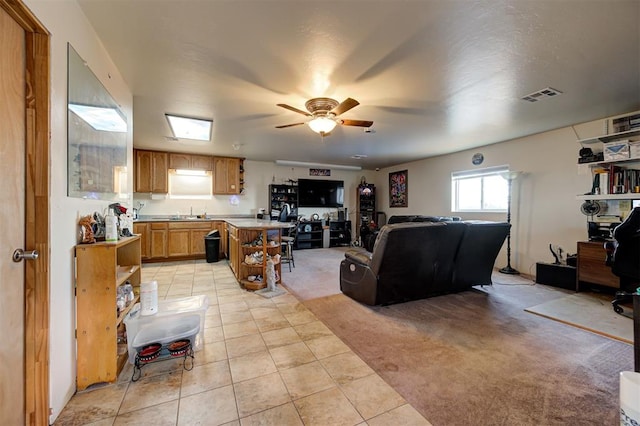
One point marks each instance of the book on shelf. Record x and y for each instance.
(614, 179)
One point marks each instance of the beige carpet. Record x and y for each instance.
(474, 357)
(589, 311)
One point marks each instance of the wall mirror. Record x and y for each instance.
(97, 137)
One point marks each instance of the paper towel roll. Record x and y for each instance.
(629, 398)
(111, 228)
(149, 298)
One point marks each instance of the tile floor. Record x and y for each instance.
(264, 362)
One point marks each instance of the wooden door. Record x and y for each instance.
(157, 240)
(12, 136)
(143, 171)
(159, 173)
(178, 242)
(143, 230)
(179, 161)
(197, 241)
(220, 176)
(201, 162)
(24, 223)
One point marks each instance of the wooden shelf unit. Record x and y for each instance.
(309, 235)
(100, 269)
(339, 233)
(277, 195)
(240, 246)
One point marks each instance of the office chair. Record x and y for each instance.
(623, 256)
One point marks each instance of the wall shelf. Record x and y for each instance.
(610, 138)
(628, 196)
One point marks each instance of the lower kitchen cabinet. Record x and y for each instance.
(177, 239)
(142, 229)
(158, 232)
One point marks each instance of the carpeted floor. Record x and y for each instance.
(474, 357)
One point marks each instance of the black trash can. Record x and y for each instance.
(212, 246)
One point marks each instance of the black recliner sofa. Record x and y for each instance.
(416, 260)
(369, 236)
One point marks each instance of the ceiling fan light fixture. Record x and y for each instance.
(322, 124)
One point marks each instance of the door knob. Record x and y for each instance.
(20, 254)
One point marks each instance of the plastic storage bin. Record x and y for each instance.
(176, 319)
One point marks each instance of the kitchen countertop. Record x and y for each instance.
(173, 218)
(244, 221)
(257, 223)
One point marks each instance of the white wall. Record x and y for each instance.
(544, 205)
(66, 23)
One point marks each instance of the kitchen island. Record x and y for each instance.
(167, 238)
(250, 243)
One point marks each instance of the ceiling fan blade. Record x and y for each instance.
(345, 106)
(290, 108)
(359, 123)
(288, 125)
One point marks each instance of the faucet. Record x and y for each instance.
(191, 211)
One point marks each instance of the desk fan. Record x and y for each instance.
(590, 208)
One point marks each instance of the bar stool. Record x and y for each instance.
(286, 242)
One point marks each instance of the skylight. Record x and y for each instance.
(190, 128)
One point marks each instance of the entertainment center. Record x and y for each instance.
(308, 193)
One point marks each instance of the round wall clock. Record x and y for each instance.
(477, 158)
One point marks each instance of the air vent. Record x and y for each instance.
(358, 156)
(545, 93)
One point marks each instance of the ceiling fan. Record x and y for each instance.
(324, 113)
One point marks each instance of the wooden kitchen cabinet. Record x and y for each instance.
(189, 161)
(100, 269)
(158, 240)
(151, 173)
(178, 239)
(178, 243)
(187, 238)
(142, 229)
(226, 178)
(591, 267)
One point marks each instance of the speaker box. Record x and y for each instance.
(562, 276)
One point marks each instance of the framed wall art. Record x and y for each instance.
(398, 189)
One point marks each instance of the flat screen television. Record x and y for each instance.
(320, 193)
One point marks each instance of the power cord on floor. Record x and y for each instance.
(528, 277)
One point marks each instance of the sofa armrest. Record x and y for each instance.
(357, 280)
(360, 257)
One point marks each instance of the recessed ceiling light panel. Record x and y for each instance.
(190, 128)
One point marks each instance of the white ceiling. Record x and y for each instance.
(434, 76)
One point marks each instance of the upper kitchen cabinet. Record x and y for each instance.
(151, 171)
(189, 161)
(227, 177)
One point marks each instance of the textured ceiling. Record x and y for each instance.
(434, 76)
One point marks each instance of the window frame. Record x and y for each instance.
(458, 176)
